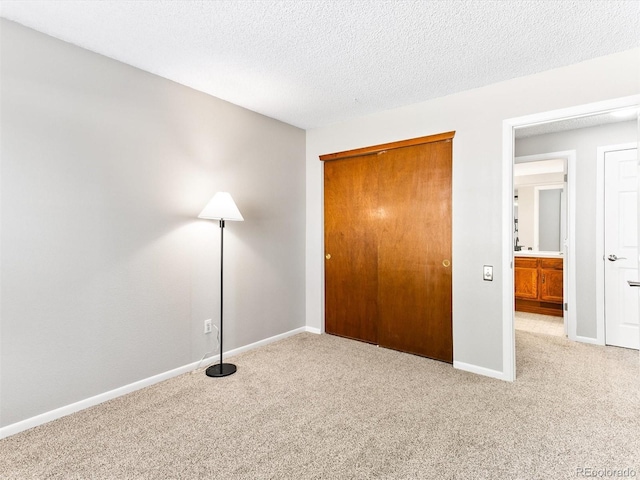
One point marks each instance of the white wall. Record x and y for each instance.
(586, 142)
(538, 179)
(477, 117)
(107, 276)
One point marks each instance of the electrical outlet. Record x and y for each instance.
(487, 273)
(207, 326)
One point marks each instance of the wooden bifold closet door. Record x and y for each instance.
(387, 214)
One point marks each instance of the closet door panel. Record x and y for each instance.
(414, 254)
(351, 242)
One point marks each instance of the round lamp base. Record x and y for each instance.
(221, 370)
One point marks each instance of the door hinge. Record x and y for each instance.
(566, 307)
(565, 177)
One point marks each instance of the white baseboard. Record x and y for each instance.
(592, 341)
(266, 341)
(487, 372)
(132, 387)
(312, 330)
(91, 401)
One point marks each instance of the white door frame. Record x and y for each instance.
(600, 317)
(508, 145)
(568, 249)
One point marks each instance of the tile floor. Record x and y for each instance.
(533, 322)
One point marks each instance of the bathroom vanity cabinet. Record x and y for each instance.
(538, 285)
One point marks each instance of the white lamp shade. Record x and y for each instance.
(221, 207)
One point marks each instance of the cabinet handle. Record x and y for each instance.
(543, 278)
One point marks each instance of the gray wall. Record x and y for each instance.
(106, 274)
(586, 142)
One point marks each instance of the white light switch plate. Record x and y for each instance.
(487, 273)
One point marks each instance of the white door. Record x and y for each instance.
(621, 303)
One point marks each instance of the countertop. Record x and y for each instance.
(531, 253)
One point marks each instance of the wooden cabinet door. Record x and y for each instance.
(526, 278)
(414, 283)
(351, 248)
(551, 280)
(551, 286)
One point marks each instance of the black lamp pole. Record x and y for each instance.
(221, 369)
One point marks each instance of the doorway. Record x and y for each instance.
(509, 128)
(544, 247)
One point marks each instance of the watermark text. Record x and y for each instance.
(592, 472)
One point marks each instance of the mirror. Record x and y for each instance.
(539, 200)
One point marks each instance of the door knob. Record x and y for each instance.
(446, 263)
(633, 284)
(327, 256)
(613, 258)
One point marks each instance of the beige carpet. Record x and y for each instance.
(535, 323)
(321, 407)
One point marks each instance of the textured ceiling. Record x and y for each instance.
(313, 63)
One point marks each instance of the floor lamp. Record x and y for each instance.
(221, 207)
